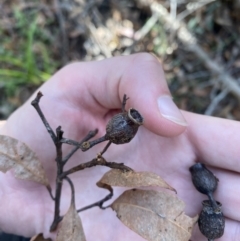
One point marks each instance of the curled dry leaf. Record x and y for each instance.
(71, 227)
(133, 179)
(18, 156)
(40, 237)
(155, 216)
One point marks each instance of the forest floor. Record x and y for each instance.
(197, 43)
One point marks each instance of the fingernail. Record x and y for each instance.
(170, 111)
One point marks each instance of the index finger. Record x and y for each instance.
(215, 140)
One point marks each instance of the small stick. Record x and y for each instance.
(72, 190)
(58, 191)
(70, 142)
(99, 161)
(35, 104)
(105, 148)
(57, 218)
(99, 203)
(58, 145)
(90, 135)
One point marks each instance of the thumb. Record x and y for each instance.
(140, 77)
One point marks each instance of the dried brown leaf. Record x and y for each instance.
(71, 227)
(18, 156)
(39, 237)
(155, 216)
(133, 179)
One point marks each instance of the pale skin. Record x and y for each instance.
(82, 97)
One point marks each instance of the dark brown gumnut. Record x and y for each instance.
(119, 130)
(123, 126)
(210, 222)
(204, 181)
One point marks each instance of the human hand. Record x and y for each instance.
(84, 96)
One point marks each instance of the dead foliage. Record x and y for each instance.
(22, 160)
(154, 215)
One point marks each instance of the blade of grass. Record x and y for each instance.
(12, 61)
(12, 73)
(30, 59)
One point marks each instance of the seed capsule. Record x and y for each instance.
(210, 222)
(120, 129)
(123, 126)
(203, 179)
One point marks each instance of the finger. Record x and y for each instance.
(102, 84)
(215, 140)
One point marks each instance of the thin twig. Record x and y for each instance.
(90, 135)
(58, 145)
(35, 104)
(99, 161)
(72, 190)
(57, 218)
(99, 203)
(58, 191)
(105, 148)
(70, 142)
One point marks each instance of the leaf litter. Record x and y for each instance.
(71, 226)
(22, 160)
(133, 179)
(156, 216)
